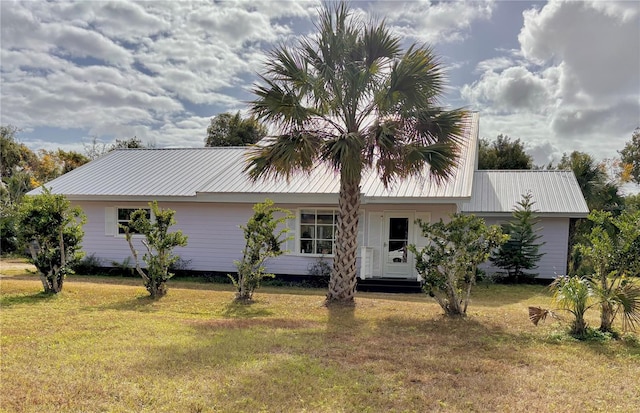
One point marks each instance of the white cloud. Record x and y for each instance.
(579, 75)
(117, 68)
(515, 89)
(433, 22)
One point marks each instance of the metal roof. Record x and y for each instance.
(554, 192)
(207, 172)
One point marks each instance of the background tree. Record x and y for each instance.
(16, 179)
(131, 143)
(353, 99)
(263, 241)
(52, 231)
(613, 249)
(503, 153)
(95, 148)
(159, 243)
(600, 193)
(520, 252)
(52, 164)
(632, 203)
(226, 129)
(630, 155)
(449, 263)
(598, 189)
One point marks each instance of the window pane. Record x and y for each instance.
(325, 232)
(124, 214)
(325, 247)
(399, 229)
(307, 231)
(306, 247)
(308, 217)
(325, 217)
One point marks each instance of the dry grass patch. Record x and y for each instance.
(103, 346)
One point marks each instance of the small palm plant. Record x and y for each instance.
(576, 295)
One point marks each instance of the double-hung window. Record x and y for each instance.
(124, 215)
(318, 231)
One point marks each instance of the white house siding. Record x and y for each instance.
(215, 239)
(555, 235)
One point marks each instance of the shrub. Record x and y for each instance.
(263, 241)
(448, 264)
(89, 265)
(52, 232)
(159, 244)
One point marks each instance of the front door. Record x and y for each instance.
(397, 261)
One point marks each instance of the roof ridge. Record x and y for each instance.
(522, 170)
(180, 149)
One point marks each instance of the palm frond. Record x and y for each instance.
(537, 314)
(627, 296)
(344, 155)
(379, 43)
(279, 104)
(415, 81)
(442, 158)
(283, 155)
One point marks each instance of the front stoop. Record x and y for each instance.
(389, 285)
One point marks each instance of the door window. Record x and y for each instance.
(398, 240)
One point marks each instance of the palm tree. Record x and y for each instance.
(576, 295)
(351, 98)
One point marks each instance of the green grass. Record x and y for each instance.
(101, 345)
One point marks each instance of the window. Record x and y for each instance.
(124, 214)
(317, 231)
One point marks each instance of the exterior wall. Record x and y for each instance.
(555, 235)
(215, 239)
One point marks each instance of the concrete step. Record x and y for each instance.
(389, 285)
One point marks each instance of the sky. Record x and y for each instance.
(558, 75)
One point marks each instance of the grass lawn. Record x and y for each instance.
(102, 346)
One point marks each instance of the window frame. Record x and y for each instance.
(315, 238)
(294, 224)
(118, 221)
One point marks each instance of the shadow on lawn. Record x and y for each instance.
(496, 295)
(11, 300)
(244, 310)
(348, 356)
(141, 303)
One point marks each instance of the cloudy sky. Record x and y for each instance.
(559, 75)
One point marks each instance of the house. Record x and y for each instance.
(212, 196)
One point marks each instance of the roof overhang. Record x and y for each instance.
(509, 214)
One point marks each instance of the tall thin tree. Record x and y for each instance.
(352, 98)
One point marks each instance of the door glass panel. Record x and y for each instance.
(398, 240)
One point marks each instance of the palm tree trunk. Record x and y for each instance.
(342, 284)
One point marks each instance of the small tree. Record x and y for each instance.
(448, 264)
(52, 231)
(576, 295)
(613, 249)
(159, 244)
(263, 240)
(520, 252)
